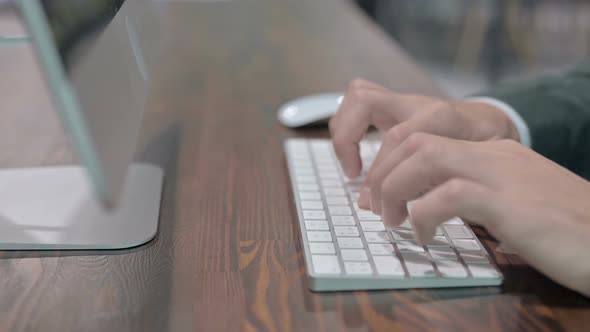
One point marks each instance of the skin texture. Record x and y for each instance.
(463, 159)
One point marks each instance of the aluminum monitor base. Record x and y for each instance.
(53, 208)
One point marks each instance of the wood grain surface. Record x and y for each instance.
(227, 256)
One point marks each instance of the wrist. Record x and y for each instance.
(488, 122)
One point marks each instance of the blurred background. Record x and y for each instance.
(468, 45)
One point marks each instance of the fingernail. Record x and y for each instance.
(386, 221)
(373, 205)
(364, 198)
(348, 172)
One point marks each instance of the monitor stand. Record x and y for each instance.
(52, 208)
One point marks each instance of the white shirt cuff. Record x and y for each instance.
(523, 129)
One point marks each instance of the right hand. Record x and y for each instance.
(398, 115)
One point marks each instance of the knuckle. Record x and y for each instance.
(387, 192)
(417, 140)
(508, 143)
(357, 84)
(360, 96)
(515, 148)
(333, 126)
(338, 138)
(431, 150)
(374, 180)
(441, 107)
(454, 189)
(395, 135)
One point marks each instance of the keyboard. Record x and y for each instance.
(348, 248)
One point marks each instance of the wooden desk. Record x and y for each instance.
(228, 255)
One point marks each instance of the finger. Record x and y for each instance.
(392, 139)
(351, 123)
(360, 83)
(364, 198)
(456, 197)
(392, 160)
(434, 161)
(436, 121)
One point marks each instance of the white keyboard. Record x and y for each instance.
(347, 248)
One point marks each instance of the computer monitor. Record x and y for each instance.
(93, 55)
(95, 65)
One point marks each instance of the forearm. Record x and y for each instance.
(557, 112)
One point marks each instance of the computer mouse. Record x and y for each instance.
(309, 110)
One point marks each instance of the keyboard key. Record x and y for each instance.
(327, 168)
(356, 207)
(314, 214)
(324, 159)
(354, 255)
(306, 179)
(372, 226)
(336, 200)
(458, 232)
(302, 164)
(407, 233)
(406, 224)
(297, 147)
(322, 248)
(331, 183)
(451, 269)
(466, 245)
(319, 236)
(409, 246)
(353, 186)
(353, 191)
(365, 215)
(389, 266)
(454, 221)
(402, 234)
(302, 155)
(350, 243)
(474, 256)
(309, 195)
(439, 241)
(419, 266)
(319, 145)
(334, 192)
(381, 249)
(443, 253)
(316, 225)
(325, 264)
(377, 237)
(343, 220)
(358, 268)
(308, 187)
(304, 171)
(329, 175)
(312, 205)
(340, 210)
(483, 270)
(346, 231)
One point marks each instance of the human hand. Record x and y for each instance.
(367, 104)
(528, 202)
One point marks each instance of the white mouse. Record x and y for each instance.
(309, 110)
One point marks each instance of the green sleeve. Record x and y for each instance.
(557, 112)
